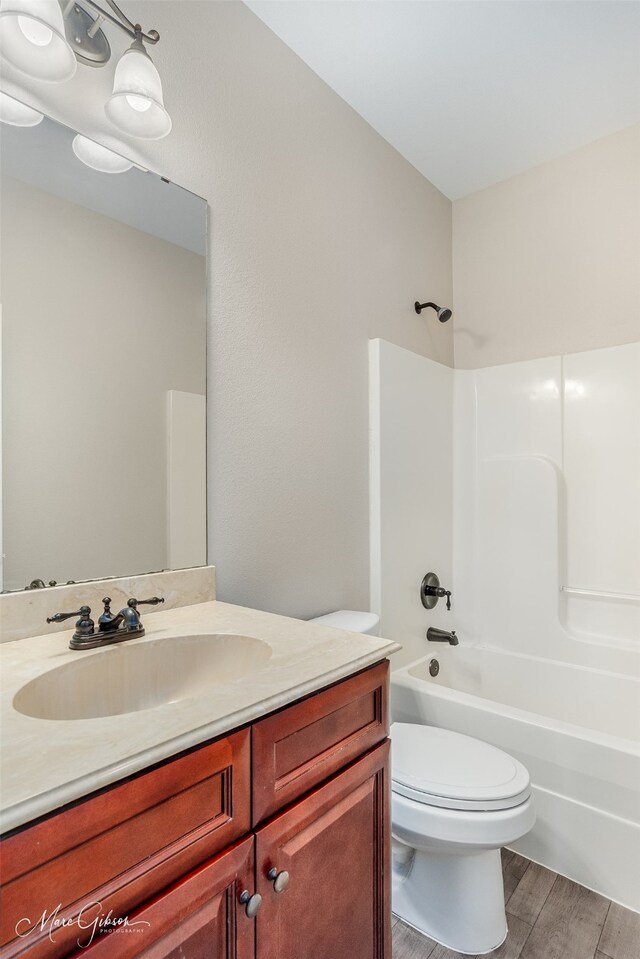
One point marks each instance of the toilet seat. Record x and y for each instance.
(438, 767)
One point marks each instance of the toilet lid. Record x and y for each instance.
(438, 767)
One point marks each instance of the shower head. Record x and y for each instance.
(444, 314)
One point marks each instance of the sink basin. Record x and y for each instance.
(129, 677)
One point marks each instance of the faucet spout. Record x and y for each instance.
(435, 635)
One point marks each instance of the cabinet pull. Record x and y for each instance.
(251, 903)
(280, 880)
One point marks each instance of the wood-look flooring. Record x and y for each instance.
(549, 917)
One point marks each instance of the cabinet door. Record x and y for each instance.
(199, 917)
(122, 846)
(334, 844)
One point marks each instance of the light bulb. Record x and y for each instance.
(35, 32)
(141, 104)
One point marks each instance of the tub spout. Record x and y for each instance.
(435, 635)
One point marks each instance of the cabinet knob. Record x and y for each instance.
(251, 903)
(280, 880)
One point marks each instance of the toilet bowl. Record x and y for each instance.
(455, 801)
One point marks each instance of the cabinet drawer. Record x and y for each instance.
(123, 845)
(302, 745)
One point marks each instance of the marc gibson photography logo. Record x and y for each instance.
(91, 921)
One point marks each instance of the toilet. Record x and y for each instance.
(455, 801)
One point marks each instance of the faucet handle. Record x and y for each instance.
(60, 617)
(84, 625)
(133, 602)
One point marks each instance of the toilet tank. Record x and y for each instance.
(357, 622)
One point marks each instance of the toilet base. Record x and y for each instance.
(458, 900)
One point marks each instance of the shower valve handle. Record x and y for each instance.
(441, 593)
(431, 591)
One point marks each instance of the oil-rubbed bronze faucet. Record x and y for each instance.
(111, 629)
(435, 635)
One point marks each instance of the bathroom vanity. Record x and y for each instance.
(270, 840)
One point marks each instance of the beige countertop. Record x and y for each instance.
(47, 763)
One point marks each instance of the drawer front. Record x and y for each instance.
(302, 745)
(124, 845)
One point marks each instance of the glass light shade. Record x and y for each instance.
(98, 157)
(136, 106)
(32, 39)
(18, 114)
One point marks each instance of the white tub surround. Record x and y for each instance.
(577, 731)
(540, 542)
(546, 518)
(47, 763)
(411, 490)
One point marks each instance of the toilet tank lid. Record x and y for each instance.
(357, 622)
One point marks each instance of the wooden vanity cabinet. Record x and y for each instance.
(174, 848)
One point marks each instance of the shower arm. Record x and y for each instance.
(419, 307)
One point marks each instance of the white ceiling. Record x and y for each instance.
(473, 91)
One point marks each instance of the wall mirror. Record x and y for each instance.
(103, 293)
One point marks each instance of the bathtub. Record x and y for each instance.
(576, 729)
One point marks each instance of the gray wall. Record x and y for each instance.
(548, 262)
(321, 236)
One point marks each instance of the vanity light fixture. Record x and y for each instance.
(32, 39)
(99, 158)
(136, 106)
(45, 39)
(18, 114)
